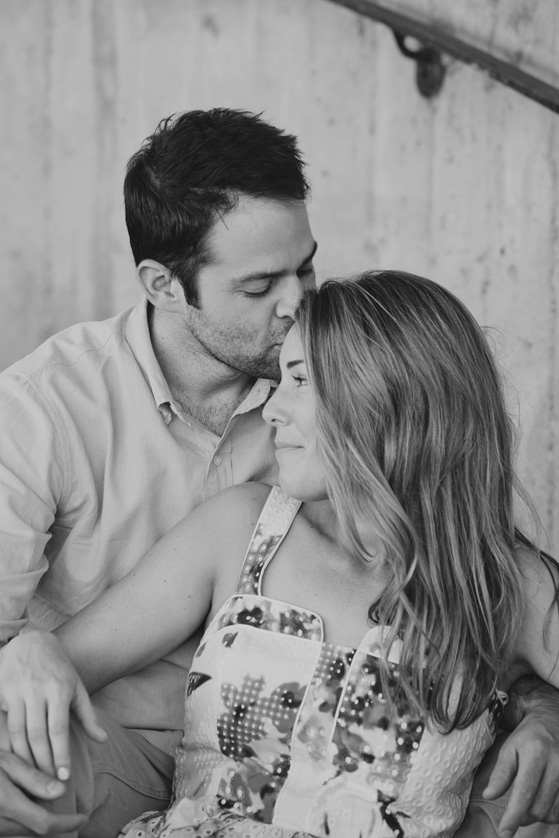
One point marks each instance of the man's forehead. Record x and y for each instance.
(271, 265)
(261, 236)
(250, 213)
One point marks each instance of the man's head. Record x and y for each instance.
(191, 171)
(261, 263)
(215, 208)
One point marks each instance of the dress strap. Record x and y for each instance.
(271, 528)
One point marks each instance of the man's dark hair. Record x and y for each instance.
(192, 169)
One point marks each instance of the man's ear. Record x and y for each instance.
(161, 288)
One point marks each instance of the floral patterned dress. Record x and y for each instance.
(287, 735)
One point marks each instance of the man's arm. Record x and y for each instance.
(30, 482)
(32, 461)
(523, 766)
(518, 781)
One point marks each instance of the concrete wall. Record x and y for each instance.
(462, 188)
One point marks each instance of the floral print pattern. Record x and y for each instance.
(287, 735)
(270, 615)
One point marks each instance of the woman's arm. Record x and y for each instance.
(153, 609)
(166, 598)
(149, 612)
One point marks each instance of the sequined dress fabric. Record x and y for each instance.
(287, 735)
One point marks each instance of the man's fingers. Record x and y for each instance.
(524, 790)
(5, 743)
(59, 736)
(51, 825)
(553, 814)
(17, 732)
(502, 775)
(38, 734)
(84, 712)
(26, 812)
(18, 780)
(545, 806)
(17, 772)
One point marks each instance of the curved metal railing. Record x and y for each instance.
(435, 41)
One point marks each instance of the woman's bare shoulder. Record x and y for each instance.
(224, 521)
(239, 505)
(225, 527)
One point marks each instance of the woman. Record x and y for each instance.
(355, 658)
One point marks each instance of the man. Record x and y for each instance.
(113, 431)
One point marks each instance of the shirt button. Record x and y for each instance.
(217, 460)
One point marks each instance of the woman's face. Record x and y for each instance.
(292, 412)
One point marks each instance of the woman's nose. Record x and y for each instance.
(271, 412)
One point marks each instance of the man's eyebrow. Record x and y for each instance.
(291, 364)
(273, 274)
(311, 255)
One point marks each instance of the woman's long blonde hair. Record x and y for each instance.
(416, 440)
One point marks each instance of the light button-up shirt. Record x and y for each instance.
(96, 465)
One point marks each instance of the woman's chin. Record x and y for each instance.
(301, 490)
(290, 487)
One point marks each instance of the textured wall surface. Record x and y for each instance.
(463, 188)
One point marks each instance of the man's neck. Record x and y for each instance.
(202, 386)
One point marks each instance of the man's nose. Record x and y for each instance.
(292, 293)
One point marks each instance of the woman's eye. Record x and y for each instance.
(300, 379)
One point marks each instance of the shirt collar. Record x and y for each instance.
(257, 397)
(139, 339)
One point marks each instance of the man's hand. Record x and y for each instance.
(527, 761)
(19, 814)
(39, 688)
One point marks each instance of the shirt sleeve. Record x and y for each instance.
(31, 483)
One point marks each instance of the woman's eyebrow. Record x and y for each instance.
(291, 364)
